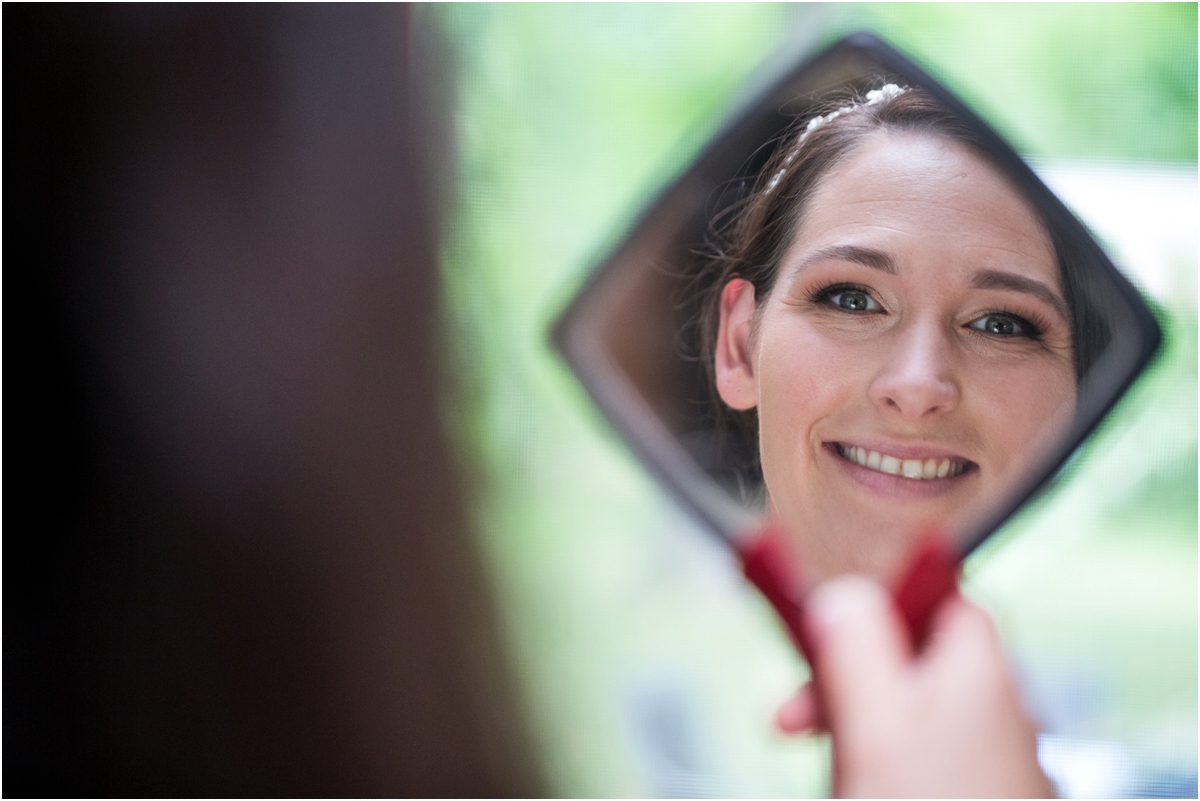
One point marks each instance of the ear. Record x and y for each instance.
(733, 363)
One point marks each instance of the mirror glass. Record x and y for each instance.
(860, 311)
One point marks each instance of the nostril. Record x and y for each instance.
(930, 398)
(915, 388)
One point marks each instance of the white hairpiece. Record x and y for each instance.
(886, 92)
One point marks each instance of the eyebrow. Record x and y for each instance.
(869, 257)
(993, 279)
(984, 279)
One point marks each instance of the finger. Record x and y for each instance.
(964, 668)
(966, 661)
(799, 713)
(963, 641)
(862, 648)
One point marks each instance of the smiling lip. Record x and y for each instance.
(902, 471)
(921, 466)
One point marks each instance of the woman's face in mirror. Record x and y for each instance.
(912, 357)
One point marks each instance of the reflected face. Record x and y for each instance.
(912, 358)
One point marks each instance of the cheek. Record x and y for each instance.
(1017, 404)
(803, 379)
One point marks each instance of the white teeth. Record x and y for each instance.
(909, 468)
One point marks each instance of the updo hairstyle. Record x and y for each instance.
(750, 239)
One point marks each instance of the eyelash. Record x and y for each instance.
(1034, 325)
(821, 293)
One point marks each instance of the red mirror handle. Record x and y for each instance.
(931, 577)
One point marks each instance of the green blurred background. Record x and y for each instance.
(650, 669)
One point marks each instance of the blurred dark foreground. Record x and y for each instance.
(236, 559)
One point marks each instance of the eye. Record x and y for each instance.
(1002, 325)
(845, 298)
(854, 300)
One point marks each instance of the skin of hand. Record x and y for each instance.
(946, 722)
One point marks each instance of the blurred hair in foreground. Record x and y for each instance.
(237, 561)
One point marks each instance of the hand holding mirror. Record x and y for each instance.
(857, 333)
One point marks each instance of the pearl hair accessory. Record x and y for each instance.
(886, 92)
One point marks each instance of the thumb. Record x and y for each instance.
(862, 648)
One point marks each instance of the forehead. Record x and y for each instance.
(917, 194)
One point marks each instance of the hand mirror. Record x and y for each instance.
(858, 314)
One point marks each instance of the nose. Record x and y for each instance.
(917, 380)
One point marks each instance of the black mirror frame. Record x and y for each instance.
(743, 136)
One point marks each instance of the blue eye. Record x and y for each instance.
(854, 300)
(1001, 325)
